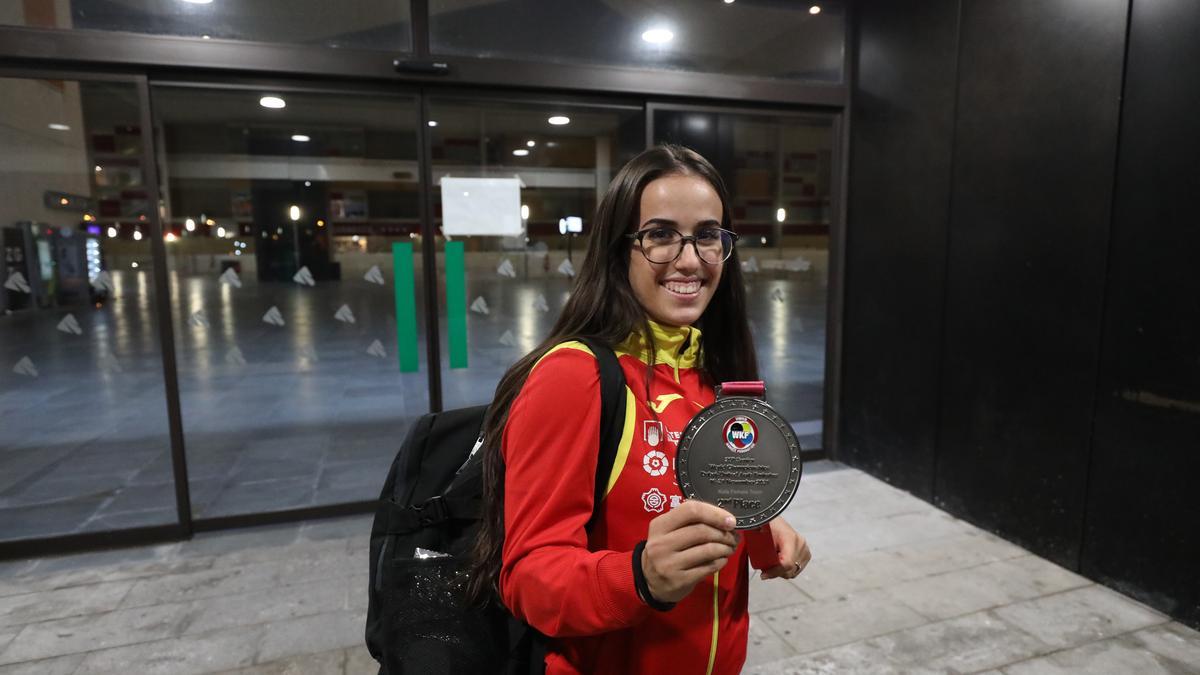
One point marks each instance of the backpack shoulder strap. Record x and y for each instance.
(612, 416)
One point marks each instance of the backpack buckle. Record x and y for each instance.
(432, 512)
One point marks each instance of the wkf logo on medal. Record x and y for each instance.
(740, 434)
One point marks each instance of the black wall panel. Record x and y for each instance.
(1143, 519)
(1035, 144)
(902, 127)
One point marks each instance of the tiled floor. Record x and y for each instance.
(896, 586)
(302, 416)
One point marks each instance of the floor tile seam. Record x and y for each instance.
(985, 563)
(82, 584)
(167, 641)
(216, 596)
(1094, 584)
(954, 535)
(855, 641)
(77, 615)
(935, 619)
(856, 521)
(1058, 650)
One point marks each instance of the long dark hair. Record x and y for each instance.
(602, 306)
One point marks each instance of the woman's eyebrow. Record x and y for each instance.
(667, 222)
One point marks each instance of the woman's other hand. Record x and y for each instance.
(793, 551)
(684, 546)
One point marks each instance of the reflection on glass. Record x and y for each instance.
(778, 170)
(83, 429)
(771, 38)
(363, 24)
(514, 286)
(281, 271)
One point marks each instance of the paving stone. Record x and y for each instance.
(764, 645)
(59, 665)
(108, 573)
(906, 528)
(962, 645)
(220, 543)
(1118, 656)
(1078, 616)
(840, 512)
(311, 634)
(985, 586)
(831, 576)
(774, 593)
(217, 651)
(858, 658)
(88, 633)
(827, 623)
(337, 528)
(324, 663)
(242, 579)
(357, 587)
(264, 606)
(1172, 641)
(17, 610)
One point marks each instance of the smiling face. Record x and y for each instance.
(676, 293)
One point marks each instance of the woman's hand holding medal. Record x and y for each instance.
(685, 545)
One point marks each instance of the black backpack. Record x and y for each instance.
(431, 500)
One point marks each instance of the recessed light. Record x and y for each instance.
(520, 152)
(658, 36)
(59, 127)
(198, 2)
(189, 225)
(530, 144)
(559, 120)
(99, 168)
(815, 9)
(432, 123)
(273, 102)
(300, 138)
(294, 212)
(729, 2)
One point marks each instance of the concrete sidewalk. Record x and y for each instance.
(896, 586)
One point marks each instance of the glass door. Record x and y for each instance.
(519, 182)
(778, 168)
(293, 241)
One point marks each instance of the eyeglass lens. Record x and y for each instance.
(663, 245)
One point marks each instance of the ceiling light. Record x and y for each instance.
(198, 2)
(205, 37)
(137, 236)
(729, 2)
(530, 144)
(170, 237)
(294, 212)
(520, 152)
(112, 233)
(815, 9)
(524, 212)
(210, 222)
(99, 168)
(134, 264)
(273, 102)
(308, 183)
(189, 225)
(658, 36)
(432, 123)
(300, 138)
(559, 120)
(221, 232)
(59, 127)
(781, 215)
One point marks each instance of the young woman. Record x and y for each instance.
(657, 584)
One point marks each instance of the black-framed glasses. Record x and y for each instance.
(662, 245)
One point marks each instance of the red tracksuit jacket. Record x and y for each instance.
(578, 589)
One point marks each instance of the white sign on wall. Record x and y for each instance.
(481, 206)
